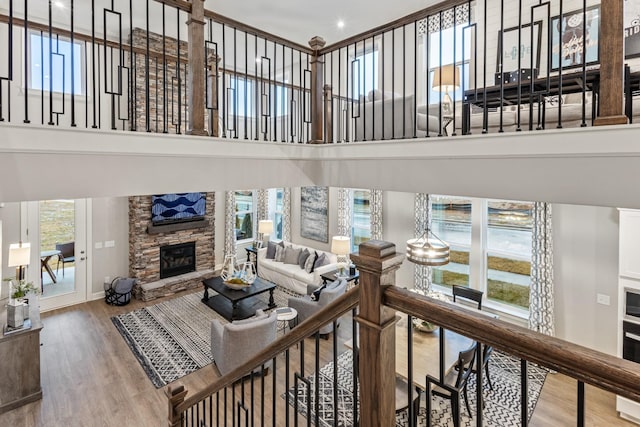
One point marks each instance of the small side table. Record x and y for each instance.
(283, 316)
(252, 256)
(333, 275)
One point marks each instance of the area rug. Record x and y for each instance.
(173, 338)
(502, 404)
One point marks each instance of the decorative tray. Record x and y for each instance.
(237, 284)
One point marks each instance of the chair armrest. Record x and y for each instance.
(217, 332)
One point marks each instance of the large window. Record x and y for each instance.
(364, 71)
(490, 247)
(244, 215)
(451, 222)
(276, 207)
(360, 218)
(53, 71)
(240, 100)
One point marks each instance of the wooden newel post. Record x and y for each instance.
(317, 81)
(196, 75)
(328, 114)
(175, 394)
(610, 105)
(377, 262)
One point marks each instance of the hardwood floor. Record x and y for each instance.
(91, 378)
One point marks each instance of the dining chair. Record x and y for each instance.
(453, 385)
(468, 294)
(67, 254)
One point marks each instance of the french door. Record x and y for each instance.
(57, 231)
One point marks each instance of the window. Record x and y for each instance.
(451, 222)
(364, 71)
(360, 218)
(244, 215)
(276, 205)
(241, 97)
(445, 57)
(58, 76)
(509, 228)
(490, 247)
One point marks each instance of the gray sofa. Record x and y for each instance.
(232, 344)
(307, 307)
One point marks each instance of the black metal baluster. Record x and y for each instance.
(524, 393)
(246, 77)
(584, 65)
(410, 407)
(581, 406)
(26, 57)
(485, 112)
(273, 89)
(179, 129)
(455, 70)
(404, 80)
(256, 96)
(317, 379)
(560, 58)
(519, 93)
(415, 85)
(356, 357)
(86, 89)
(335, 369)
(274, 368)
(146, 76)
(224, 84)
(262, 387)
(155, 92)
(500, 129)
(393, 83)
(50, 69)
(440, 75)
(286, 355)
(165, 115)
(73, 74)
(235, 86)
(479, 379)
(42, 79)
(283, 125)
(132, 75)
(300, 97)
(292, 103)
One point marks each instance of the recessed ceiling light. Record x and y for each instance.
(59, 4)
(340, 24)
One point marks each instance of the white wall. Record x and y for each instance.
(110, 217)
(586, 264)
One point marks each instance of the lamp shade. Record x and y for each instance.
(446, 78)
(428, 251)
(341, 245)
(19, 254)
(265, 226)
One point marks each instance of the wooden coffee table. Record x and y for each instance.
(237, 304)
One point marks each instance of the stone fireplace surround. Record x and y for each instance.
(144, 249)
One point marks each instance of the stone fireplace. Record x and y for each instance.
(147, 244)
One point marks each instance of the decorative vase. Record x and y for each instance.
(228, 267)
(15, 313)
(248, 272)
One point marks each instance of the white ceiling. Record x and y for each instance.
(300, 20)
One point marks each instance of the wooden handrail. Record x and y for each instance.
(310, 326)
(607, 372)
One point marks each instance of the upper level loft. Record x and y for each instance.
(458, 68)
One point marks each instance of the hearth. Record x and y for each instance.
(177, 259)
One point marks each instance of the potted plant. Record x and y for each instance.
(18, 307)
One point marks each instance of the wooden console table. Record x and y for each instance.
(20, 356)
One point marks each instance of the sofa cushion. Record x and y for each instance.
(304, 254)
(279, 254)
(291, 255)
(309, 263)
(320, 261)
(271, 250)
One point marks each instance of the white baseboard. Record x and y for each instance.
(97, 295)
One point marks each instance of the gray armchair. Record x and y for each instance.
(232, 344)
(306, 307)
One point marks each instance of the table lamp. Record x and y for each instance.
(265, 228)
(19, 254)
(341, 246)
(445, 79)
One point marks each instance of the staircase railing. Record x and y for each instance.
(370, 376)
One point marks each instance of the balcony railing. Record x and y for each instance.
(363, 389)
(465, 67)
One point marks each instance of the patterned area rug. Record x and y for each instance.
(173, 338)
(502, 404)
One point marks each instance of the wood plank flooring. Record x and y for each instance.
(91, 378)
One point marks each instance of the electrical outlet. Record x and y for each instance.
(603, 299)
(109, 243)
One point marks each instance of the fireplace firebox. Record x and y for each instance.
(177, 259)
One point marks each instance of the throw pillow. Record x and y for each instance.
(303, 257)
(271, 250)
(315, 295)
(322, 260)
(279, 254)
(291, 255)
(308, 265)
